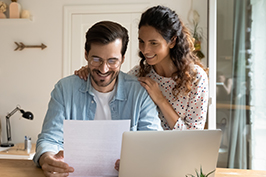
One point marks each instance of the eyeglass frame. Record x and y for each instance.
(91, 60)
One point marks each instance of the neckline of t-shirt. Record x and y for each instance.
(159, 76)
(106, 94)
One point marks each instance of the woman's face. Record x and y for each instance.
(153, 46)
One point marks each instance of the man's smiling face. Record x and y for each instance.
(103, 77)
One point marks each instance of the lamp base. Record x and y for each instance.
(7, 145)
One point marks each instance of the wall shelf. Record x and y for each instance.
(9, 21)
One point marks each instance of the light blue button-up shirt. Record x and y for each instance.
(73, 99)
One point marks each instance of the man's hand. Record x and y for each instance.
(53, 165)
(117, 163)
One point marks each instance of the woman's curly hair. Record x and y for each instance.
(168, 24)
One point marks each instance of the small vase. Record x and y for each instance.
(14, 10)
(197, 45)
(2, 15)
(25, 14)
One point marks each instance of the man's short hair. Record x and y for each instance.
(105, 32)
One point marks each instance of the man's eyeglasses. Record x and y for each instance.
(111, 62)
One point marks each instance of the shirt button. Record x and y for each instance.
(92, 102)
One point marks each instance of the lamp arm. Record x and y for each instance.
(8, 130)
(8, 127)
(12, 112)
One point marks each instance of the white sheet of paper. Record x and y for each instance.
(92, 147)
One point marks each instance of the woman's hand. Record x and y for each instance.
(82, 72)
(158, 98)
(153, 89)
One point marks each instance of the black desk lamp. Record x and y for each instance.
(26, 115)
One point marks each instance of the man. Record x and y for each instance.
(108, 94)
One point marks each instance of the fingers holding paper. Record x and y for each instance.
(117, 163)
(53, 165)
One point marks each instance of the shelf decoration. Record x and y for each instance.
(25, 14)
(14, 9)
(3, 7)
(197, 33)
(21, 46)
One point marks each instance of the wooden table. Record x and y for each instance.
(17, 152)
(26, 168)
(19, 168)
(227, 172)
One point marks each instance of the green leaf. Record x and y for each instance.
(201, 173)
(210, 173)
(190, 175)
(197, 173)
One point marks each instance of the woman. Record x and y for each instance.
(169, 70)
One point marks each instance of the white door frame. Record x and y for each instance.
(212, 38)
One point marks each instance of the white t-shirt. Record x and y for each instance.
(102, 101)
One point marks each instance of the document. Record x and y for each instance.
(92, 147)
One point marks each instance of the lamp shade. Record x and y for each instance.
(27, 115)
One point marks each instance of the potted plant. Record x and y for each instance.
(200, 174)
(197, 34)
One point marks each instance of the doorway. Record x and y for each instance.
(78, 19)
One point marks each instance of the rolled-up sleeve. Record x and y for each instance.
(51, 137)
(149, 119)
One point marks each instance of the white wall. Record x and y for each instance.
(27, 77)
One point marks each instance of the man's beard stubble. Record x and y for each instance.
(101, 83)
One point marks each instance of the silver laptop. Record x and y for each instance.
(169, 153)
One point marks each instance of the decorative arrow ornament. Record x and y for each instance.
(21, 46)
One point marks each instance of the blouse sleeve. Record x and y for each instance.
(134, 71)
(195, 115)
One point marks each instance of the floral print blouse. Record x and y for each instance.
(192, 108)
